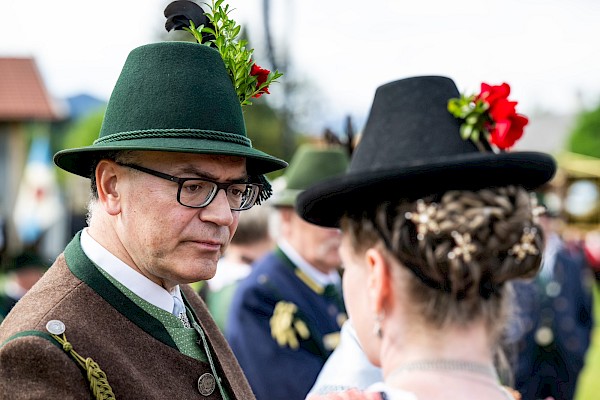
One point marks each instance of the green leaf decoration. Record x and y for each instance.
(236, 57)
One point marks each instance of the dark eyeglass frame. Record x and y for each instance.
(181, 181)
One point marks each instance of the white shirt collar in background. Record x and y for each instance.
(313, 273)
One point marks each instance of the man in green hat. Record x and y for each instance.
(288, 312)
(170, 173)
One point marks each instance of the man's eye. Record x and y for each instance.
(193, 187)
(237, 190)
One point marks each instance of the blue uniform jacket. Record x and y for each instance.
(275, 286)
(548, 364)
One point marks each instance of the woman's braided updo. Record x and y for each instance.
(462, 248)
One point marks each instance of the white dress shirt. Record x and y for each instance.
(127, 276)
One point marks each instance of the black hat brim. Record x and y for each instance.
(326, 202)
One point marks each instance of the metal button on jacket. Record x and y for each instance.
(206, 384)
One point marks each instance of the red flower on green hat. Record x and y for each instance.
(262, 75)
(490, 116)
(216, 29)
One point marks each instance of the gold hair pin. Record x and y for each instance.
(526, 245)
(464, 248)
(424, 219)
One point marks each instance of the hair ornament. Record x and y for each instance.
(536, 209)
(424, 218)
(464, 247)
(526, 245)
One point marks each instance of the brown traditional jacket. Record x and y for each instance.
(139, 357)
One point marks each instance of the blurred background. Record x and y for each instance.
(59, 61)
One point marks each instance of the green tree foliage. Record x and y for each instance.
(83, 131)
(265, 126)
(585, 137)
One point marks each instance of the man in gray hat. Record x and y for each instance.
(170, 171)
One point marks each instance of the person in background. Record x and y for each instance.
(22, 273)
(554, 319)
(252, 240)
(285, 317)
(435, 226)
(171, 171)
(588, 385)
(347, 367)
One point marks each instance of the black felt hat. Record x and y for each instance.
(411, 147)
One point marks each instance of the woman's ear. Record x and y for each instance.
(379, 284)
(107, 176)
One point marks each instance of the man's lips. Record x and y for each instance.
(207, 244)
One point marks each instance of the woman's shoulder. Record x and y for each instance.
(351, 394)
(380, 391)
(377, 391)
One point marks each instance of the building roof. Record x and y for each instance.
(23, 95)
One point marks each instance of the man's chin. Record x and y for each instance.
(201, 272)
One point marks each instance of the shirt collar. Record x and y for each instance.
(303, 265)
(127, 276)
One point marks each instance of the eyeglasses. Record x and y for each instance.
(198, 193)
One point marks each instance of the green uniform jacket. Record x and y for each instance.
(139, 357)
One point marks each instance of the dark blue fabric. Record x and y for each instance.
(552, 369)
(277, 373)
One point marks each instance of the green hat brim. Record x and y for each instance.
(81, 161)
(287, 198)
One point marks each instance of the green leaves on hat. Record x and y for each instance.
(214, 28)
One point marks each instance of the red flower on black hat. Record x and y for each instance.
(506, 125)
(490, 116)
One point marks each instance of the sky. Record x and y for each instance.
(340, 50)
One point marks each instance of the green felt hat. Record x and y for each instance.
(172, 96)
(309, 165)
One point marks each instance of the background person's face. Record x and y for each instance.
(169, 243)
(317, 245)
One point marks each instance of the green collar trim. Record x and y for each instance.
(84, 269)
(307, 280)
(41, 334)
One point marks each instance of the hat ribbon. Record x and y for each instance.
(176, 133)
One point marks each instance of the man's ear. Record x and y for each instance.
(107, 176)
(379, 284)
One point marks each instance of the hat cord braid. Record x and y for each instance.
(96, 377)
(176, 133)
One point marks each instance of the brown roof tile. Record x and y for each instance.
(23, 95)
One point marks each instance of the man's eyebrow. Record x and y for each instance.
(190, 171)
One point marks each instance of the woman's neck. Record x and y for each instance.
(455, 362)
(437, 352)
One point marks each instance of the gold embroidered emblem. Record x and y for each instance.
(286, 328)
(331, 340)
